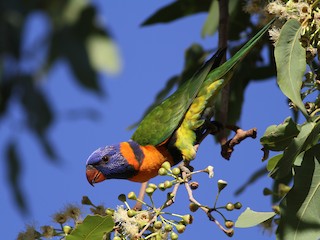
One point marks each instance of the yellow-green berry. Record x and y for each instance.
(180, 228)
(109, 212)
(152, 185)
(174, 236)
(229, 223)
(187, 219)
(170, 195)
(229, 206)
(221, 185)
(176, 171)
(157, 225)
(149, 191)
(131, 213)
(168, 227)
(161, 186)
(162, 171)
(67, 229)
(166, 165)
(230, 232)
(238, 205)
(193, 207)
(132, 196)
(167, 184)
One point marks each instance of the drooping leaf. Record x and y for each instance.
(296, 146)
(299, 210)
(250, 218)
(211, 24)
(176, 10)
(14, 174)
(92, 227)
(278, 137)
(290, 59)
(103, 54)
(272, 162)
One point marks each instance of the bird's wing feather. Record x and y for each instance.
(162, 120)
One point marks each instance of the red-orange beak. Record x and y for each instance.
(94, 175)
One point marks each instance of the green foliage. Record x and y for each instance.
(92, 227)
(278, 137)
(176, 10)
(250, 218)
(73, 35)
(290, 59)
(299, 209)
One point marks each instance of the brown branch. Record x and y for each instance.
(223, 42)
(227, 147)
(142, 192)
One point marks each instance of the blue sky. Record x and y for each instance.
(150, 56)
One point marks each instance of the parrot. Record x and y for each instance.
(172, 130)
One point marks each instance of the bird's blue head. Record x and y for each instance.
(108, 163)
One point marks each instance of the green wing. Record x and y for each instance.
(164, 119)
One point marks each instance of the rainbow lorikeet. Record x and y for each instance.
(172, 130)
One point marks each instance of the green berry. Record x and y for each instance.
(221, 185)
(132, 196)
(157, 225)
(238, 205)
(161, 186)
(166, 165)
(193, 207)
(131, 213)
(167, 184)
(149, 191)
(230, 232)
(174, 236)
(162, 171)
(187, 219)
(168, 227)
(229, 223)
(180, 228)
(109, 211)
(176, 171)
(152, 185)
(229, 206)
(67, 229)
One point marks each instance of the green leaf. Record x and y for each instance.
(176, 10)
(14, 173)
(250, 218)
(103, 54)
(92, 227)
(278, 137)
(211, 24)
(272, 162)
(297, 145)
(290, 59)
(300, 208)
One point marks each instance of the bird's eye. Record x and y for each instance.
(105, 158)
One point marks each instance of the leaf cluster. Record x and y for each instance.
(72, 34)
